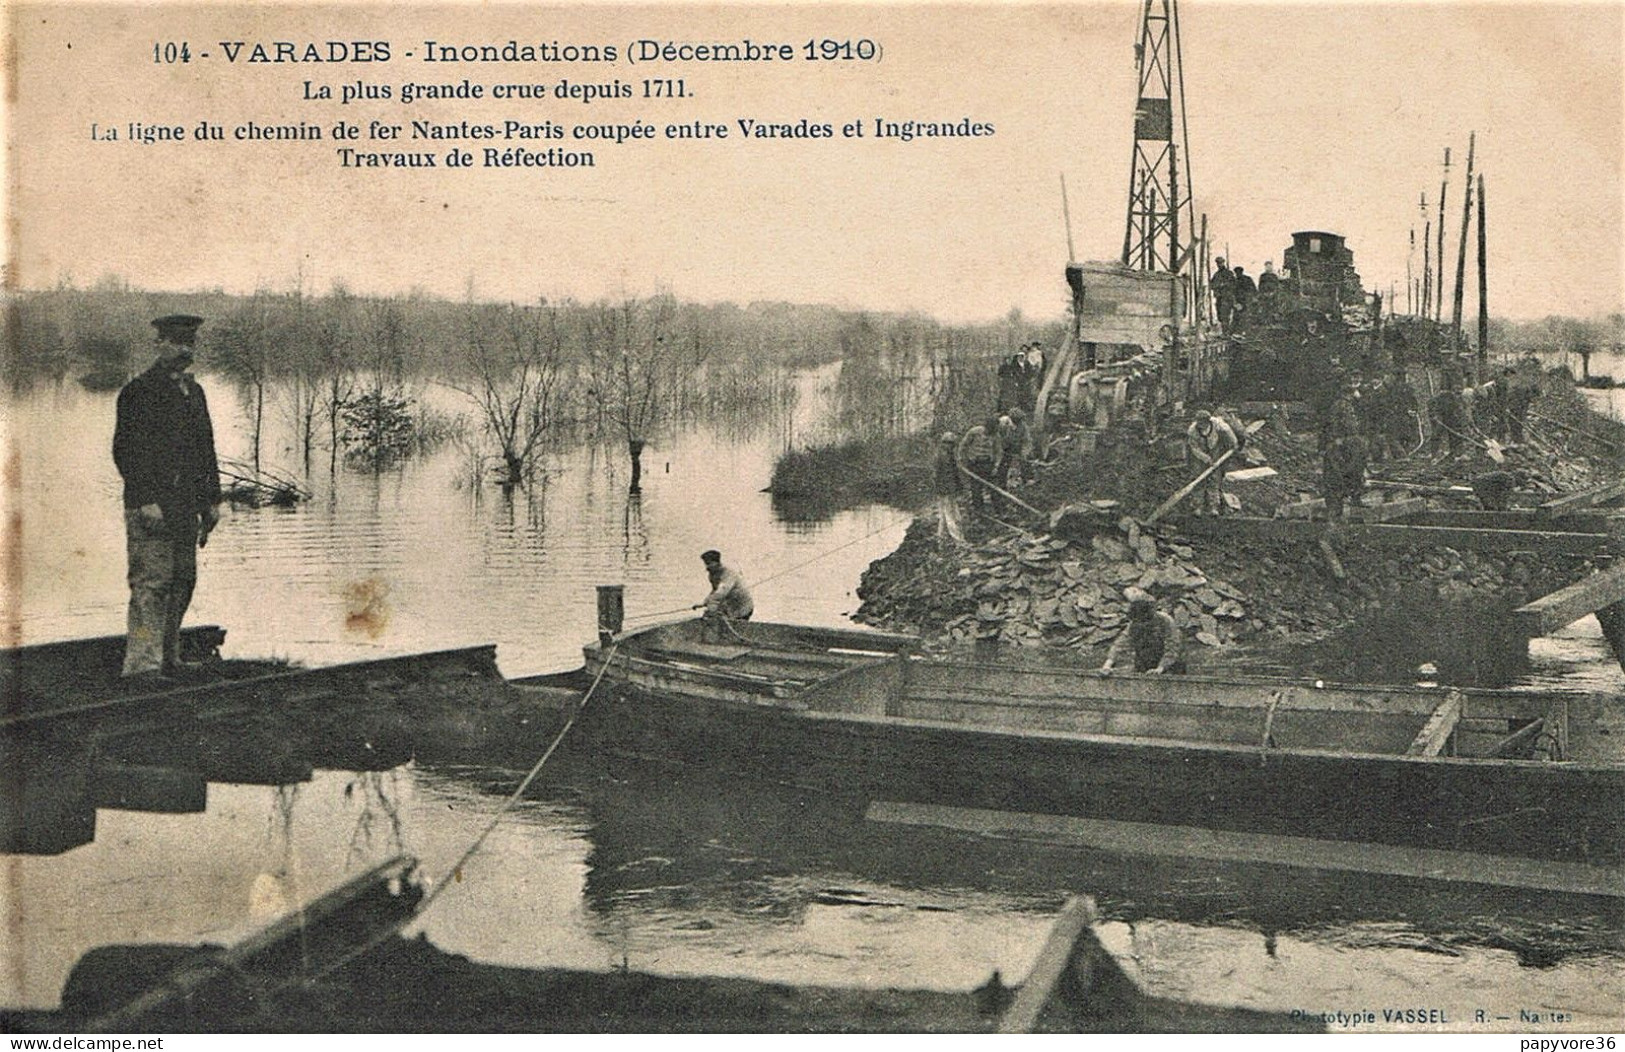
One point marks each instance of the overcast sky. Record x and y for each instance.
(1315, 116)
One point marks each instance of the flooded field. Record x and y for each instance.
(608, 866)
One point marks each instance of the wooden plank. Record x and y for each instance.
(709, 651)
(1516, 743)
(1060, 952)
(1251, 474)
(1400, 535)
(1142, 838)
(1353, 730)
(1586, 498)
(225, 697)
(1437, 730)
(194, 638)
(1512, 519)
(1190, 487)
(1390, 511)
(1567, 605)
(1016, 684)
(1554, 542)
(392, 878)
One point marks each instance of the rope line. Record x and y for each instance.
(764, 582)
(393, 929)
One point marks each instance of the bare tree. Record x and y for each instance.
(245, 351)
(515, 356)
(638, 368)
(335, 342)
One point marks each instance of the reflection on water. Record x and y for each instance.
(688, 877)
(422, 559)
(607, 868)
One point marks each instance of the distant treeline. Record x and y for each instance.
(1582, 336)
(341, 364)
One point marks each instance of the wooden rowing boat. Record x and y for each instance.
(864, 713)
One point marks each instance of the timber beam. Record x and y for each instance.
(1586, 498)
(1567, 605)
(1401, 535)
(1074, 975)
(1431, 739)
(1406, 508)
(1514, 519)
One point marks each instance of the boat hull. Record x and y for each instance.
(843, 735)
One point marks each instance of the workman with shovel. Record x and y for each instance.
(1206, 440)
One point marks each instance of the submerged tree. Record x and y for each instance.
(244, 351)
(638, 369)
(515, 356)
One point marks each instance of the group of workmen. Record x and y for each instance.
(1381, 420)
(1239, 300)
(1499, 408)
(998, 452)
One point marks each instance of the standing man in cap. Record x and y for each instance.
(1223, 286)
(729, 600)
(163, 444)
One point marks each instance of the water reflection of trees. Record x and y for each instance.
(378, 820)
(634, 537)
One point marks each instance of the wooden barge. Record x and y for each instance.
(856, 712)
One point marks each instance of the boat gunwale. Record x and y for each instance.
(194, 691)
(1411, 690)
(1553, 768)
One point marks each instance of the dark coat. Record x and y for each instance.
(163, 444)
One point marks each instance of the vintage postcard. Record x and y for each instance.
(970, 517)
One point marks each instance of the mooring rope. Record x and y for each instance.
(393, 929)
(453, 874)
(764, 582)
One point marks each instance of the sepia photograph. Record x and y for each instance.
(806, 518)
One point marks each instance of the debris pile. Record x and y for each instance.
(1046, 591)
(1051, 591)
(1061, 583)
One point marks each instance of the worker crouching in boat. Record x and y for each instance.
(728, 602)
(1151, 636)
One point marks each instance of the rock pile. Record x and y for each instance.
(1047, 591)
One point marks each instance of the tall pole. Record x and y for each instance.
(1066, 212)
(1438, 257)
(1410, 256)
(1201, 276)
(1175, 264)
(1483, 285)
(1461, 254)
(1427, 269)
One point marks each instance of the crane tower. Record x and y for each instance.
(1160, 210)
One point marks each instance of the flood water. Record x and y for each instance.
(613, 867)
